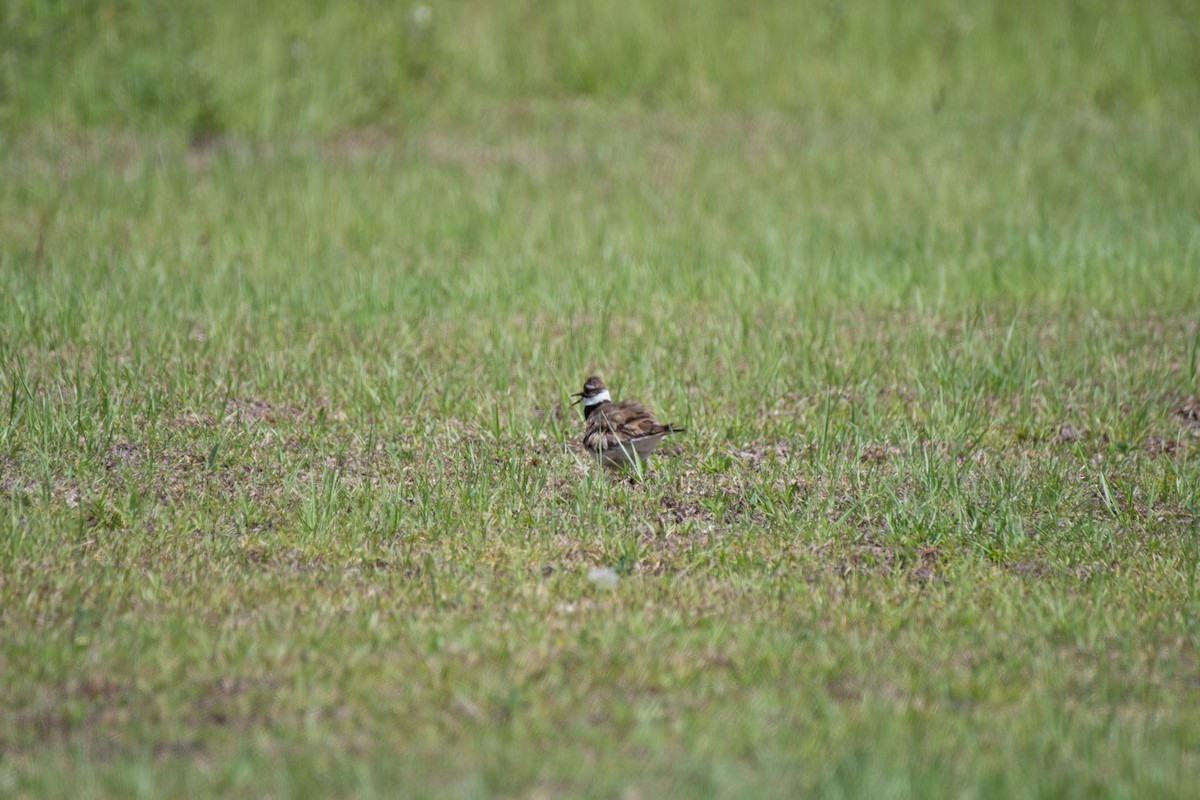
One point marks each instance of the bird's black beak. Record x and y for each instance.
(576, 394)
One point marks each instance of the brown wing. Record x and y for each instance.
(615, 424)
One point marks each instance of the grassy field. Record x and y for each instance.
(291, 302)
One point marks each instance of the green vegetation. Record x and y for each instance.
(291, 301)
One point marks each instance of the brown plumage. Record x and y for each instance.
(618, 433)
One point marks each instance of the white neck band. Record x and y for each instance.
(588, 402)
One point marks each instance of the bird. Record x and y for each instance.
(621, 433)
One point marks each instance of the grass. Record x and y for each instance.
(287, 329)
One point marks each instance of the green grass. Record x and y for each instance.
(291, 304)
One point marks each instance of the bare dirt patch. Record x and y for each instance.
(191, 420)
(123, 454)
(681, 511)
(1188, 413)
(876, 453)
(250, 409)
(1157, 446)
(876, 559)
(758, 454)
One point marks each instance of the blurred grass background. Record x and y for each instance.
(321, 68)
(291, 296)
(935, 152)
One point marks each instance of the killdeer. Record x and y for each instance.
(618, 433)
